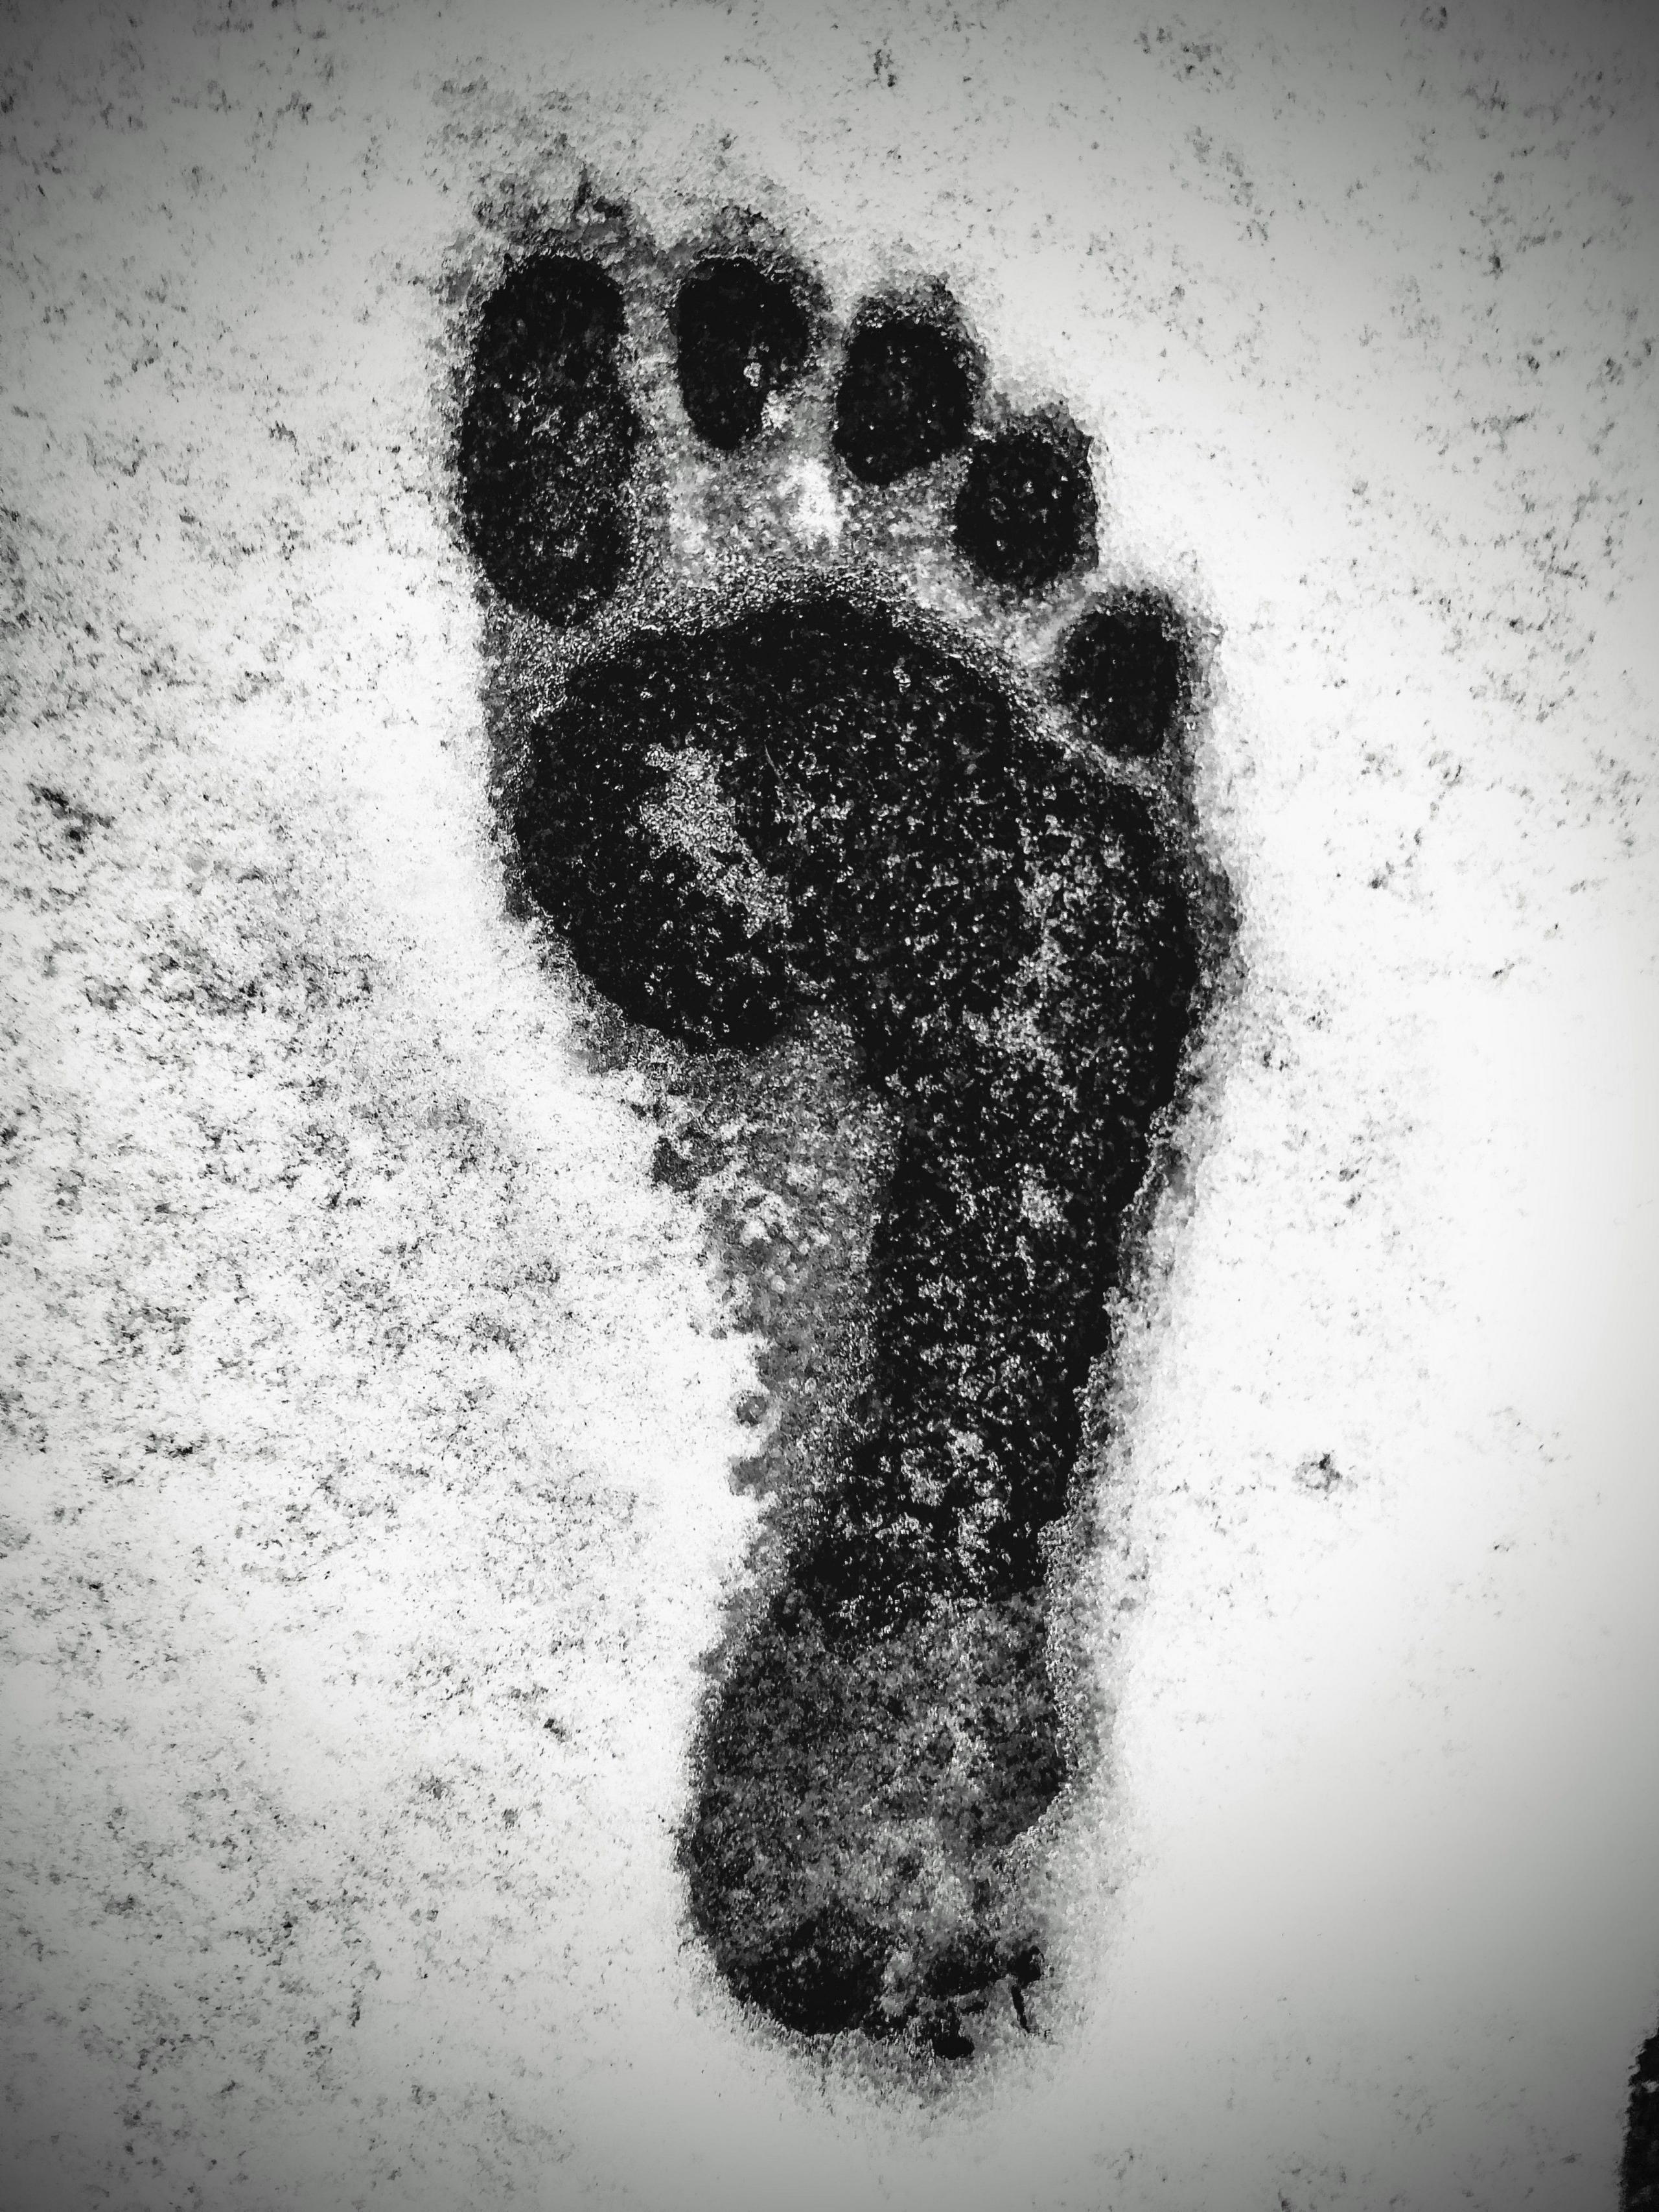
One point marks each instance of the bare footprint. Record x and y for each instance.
(910, 939)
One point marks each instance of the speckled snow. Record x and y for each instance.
(366, 1409)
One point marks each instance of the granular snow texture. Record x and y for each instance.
(369, 1408)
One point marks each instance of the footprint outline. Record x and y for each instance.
(853, 1860)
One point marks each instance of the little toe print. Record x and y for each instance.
(913, 935)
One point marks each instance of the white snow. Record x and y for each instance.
(368, 1410)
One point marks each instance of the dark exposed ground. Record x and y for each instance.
(1638, 2172)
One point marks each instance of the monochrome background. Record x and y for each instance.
(368, 1410)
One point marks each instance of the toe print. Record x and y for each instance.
(548, 440)
(923, 938)
(743, 331)
(908, 383)
(1026, 514)
(1125, 672)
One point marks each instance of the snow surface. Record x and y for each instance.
(368, 1410)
